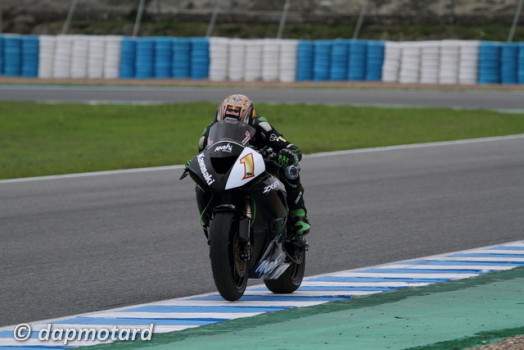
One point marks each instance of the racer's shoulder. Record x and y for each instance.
(262, 122)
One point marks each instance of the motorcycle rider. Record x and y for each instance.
(240, 107)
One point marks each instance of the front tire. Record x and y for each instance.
(229, 272)
(292, 278)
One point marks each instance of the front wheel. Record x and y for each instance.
(229, 271)
(291, 279)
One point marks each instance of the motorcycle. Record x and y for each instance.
(247, 209)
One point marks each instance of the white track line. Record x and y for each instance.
(313, 155)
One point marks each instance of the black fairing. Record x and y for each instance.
(226, 141)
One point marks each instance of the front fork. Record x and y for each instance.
(244, 230)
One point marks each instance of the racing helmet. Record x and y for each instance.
(238, 107)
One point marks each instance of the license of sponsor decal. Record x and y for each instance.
(203, 169)
(224, 148)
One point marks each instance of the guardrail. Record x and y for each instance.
(221, 59)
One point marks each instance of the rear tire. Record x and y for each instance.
(291, 279)
(229, 272)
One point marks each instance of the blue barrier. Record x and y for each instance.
(520, 62)
(508, 63)
(30, 53)
(181, 65)
(305, 59)
(127, 58)
(1, 55)
(199, 58)
(145, 58)
(375, 60)
(163, 57)
(357, 60)
(339, 60)
(12, 56)
(322, 60)
(489, 63)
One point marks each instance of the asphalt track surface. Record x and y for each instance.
(93, 242)
(388, 97)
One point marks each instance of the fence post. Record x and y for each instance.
(72, 8)
(139, 13)
(515, 21)
(211, 26)
(283, 20)
(360, 20)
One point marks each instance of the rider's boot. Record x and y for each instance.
(299, 227)
(299, 224)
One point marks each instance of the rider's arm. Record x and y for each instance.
(202, 142)
(269, 136)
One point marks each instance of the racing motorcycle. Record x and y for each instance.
(247, 207)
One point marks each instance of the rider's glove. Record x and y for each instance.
(286, 158)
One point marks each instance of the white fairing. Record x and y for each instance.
(248, 166)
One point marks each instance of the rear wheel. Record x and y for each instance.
(291, 279)
(229, 271)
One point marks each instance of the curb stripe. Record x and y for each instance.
(465, 263)
(376, 279)
(488, 255)
(229, 309)
(141, 321)
(437, 270)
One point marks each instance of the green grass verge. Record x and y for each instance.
(44, 139)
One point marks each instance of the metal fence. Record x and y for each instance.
(279, 11)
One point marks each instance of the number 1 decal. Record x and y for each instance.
(249, 165)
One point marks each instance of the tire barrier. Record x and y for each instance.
(1, 55)
(520, 63)
(12, 56)
(392, 60)
(375, 58)
(489, 63)
(305, 59)
(181, 61)
(449, 62)
(163, 57)
(253, 60)
(220, 59)
(357, 60)
(468, 65)
(339, 60)
(429, 62)
(30, 48)
(79, 59)
(410, 63)
(270, 59)
(199, 58)
(321, 60)
(288, 61)
(127, 59)
(509, 60)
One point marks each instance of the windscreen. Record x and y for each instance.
(230, 130)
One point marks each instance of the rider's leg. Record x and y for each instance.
(297, 207)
